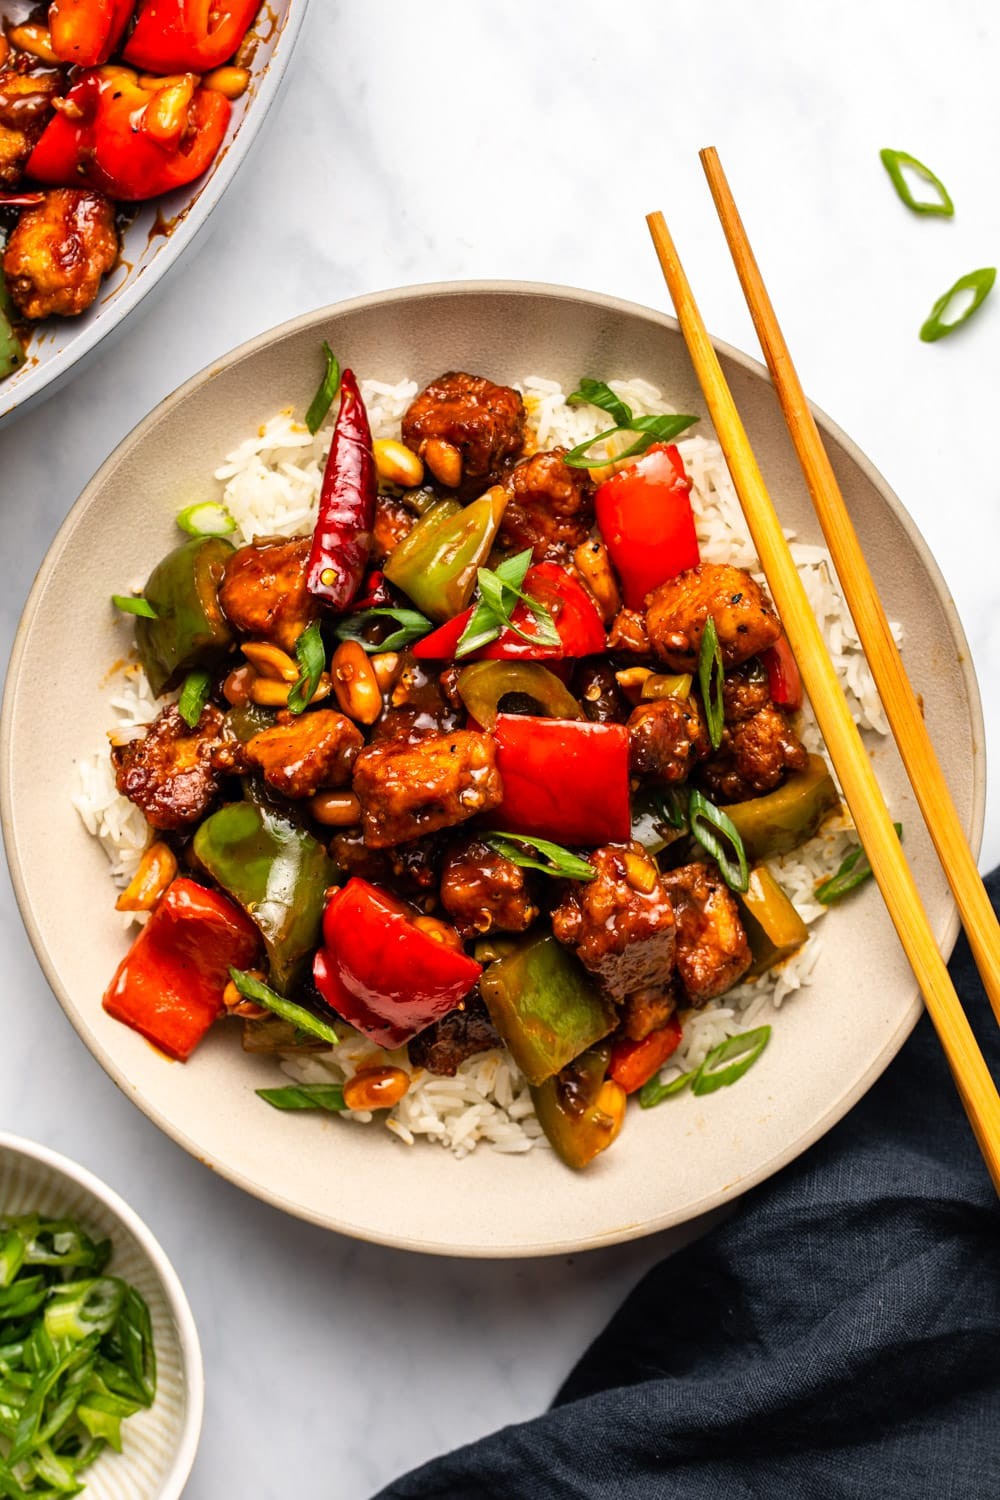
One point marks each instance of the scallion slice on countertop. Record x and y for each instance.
(255, 989)
(540, 854)
(710, 676)
(896, 163)
(134, 604)
(328, 1096)
(206, 518)
(976, 286)
(718, 836)
(310, 654)
(328, 388)
(854, 871)
(194, 696)
(412, 627)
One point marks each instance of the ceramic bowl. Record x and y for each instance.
(830, 1043)
(163, 229)
(159, 1445)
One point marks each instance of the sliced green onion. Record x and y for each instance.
(328, 388)
(206, 518)
(412, 626)
(979, 283)
(81, 1308)
(598, 393)
(744, 1049)
(894, 162)
(134, 604)
(654, 1092)
(194, 696)
(710, 676)
(672, 803)
(718, 836)
(311, 657)
(499, 594)
(555, 861)
(255, 989)
(854, 871)
(317, 1096)
(661, 429)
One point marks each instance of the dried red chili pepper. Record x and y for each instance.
(342, 538)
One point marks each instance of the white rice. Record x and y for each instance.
(271, 485)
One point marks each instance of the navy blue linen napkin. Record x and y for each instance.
(839, 1336)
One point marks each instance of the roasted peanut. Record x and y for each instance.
(271, 694)
(376, 1088)
(166, 114)
(443, 460)
(386, 666)
(33, 39)
(335, 809)
(397, 464)
(229, 81)
(594, 567)
(355, 683)
(236, 688)
(440, 932)
(270, 661)
(238, 1005)
(157, 868)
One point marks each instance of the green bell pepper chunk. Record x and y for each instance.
(545, 1007)
(784, 819)
(190, 629)
(483, 685)
(11, 347)
(569, 1110)
(247, 719)
(277, 872)
(773, 927)
(437, 563)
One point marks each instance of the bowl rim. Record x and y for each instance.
(724, 1193)
(192, 1364)
(192, 220)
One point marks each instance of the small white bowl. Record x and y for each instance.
(159, 1445)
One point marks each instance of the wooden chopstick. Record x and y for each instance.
(975, 1086)
(900, 701)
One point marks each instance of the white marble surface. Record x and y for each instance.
(417, 143)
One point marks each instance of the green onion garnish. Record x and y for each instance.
(412, 626)
(724, 1065)
(328, 388)
(979, 283)
(894, 162)
(316, 1096)
(854, 871)
(499, 594)
(672, 804)
(134, 604)
(255, 989)
(311, 657)
(649, 430)
(555, 860)
(718, 836)
(194, 696)
(206, 518)
(710, 676)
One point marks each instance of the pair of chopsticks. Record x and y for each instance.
(861, 790)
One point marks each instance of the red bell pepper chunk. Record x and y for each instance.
(119, 143)
(563, 779)
(386, 977)
(86, 32)
(644, 515)
(374, 592)
(634, 1063)
(573, 612)
(783, 674)
(169, 985)
(181, 36)
(343, 534)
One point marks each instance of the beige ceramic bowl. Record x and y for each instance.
(158, 1445)
(829, 1045)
